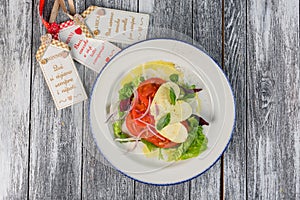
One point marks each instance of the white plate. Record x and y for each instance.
(217, 106)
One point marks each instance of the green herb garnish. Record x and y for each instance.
(163, 122)
(174, 78)
(172, 96)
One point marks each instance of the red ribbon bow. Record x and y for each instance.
(52, 28)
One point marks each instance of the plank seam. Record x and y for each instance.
(222, 185)
(246, 87)
(82, 132)
(134, 181)
(30, 104)
(193, 38)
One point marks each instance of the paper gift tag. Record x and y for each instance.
(60, 72)
(90, 52)
(116, 25)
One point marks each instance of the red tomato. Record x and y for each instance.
(135, 130)
(161, 143)
(146, 91)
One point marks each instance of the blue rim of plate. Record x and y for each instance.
(165, 184)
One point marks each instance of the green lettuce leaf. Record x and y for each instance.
(198, 145)
(126, 91)
(117, 127)
(193, 146)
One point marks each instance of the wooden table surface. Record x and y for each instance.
(50, 154)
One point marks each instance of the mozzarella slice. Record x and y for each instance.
(161, 101)
(162, 95)
(161, 104)
(175, 132)
(180, 111)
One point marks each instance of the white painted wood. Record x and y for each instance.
(15, 59)
(273, 134)
(50, 154)
(207, 31)
(172, 20)
(100, 179)
(235, 161)
(56, 136)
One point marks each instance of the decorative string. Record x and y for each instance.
(52, 27)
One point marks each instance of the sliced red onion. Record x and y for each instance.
(156, 110)
(125, 139)
(146, 112)
(137, 140)
(153, 132)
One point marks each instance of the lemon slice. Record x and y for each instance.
(175, 132)
(158, 68)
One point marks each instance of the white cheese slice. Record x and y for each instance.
(175, 132)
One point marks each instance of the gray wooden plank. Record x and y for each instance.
(171, 19)
(208, 33)
(273, 121)
(235, 68)
(15, 59)
(100, 179)
(56, 136)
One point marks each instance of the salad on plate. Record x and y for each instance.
(156, 107)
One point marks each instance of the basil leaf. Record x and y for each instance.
(174, 78)
(172, 96)
(163, 122)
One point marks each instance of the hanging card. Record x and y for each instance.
(60, 72)
(88, 51)
(116, 25)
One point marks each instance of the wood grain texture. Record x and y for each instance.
(100, 179)
(15, 59)
(50, 154)
(172, 20)
(235, 68)
(273, 133)
(169, 19)
(207, 19)
(56, 136)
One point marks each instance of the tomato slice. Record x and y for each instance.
(161, 143)
(146, 92)
(153, 80)
(135, 130)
